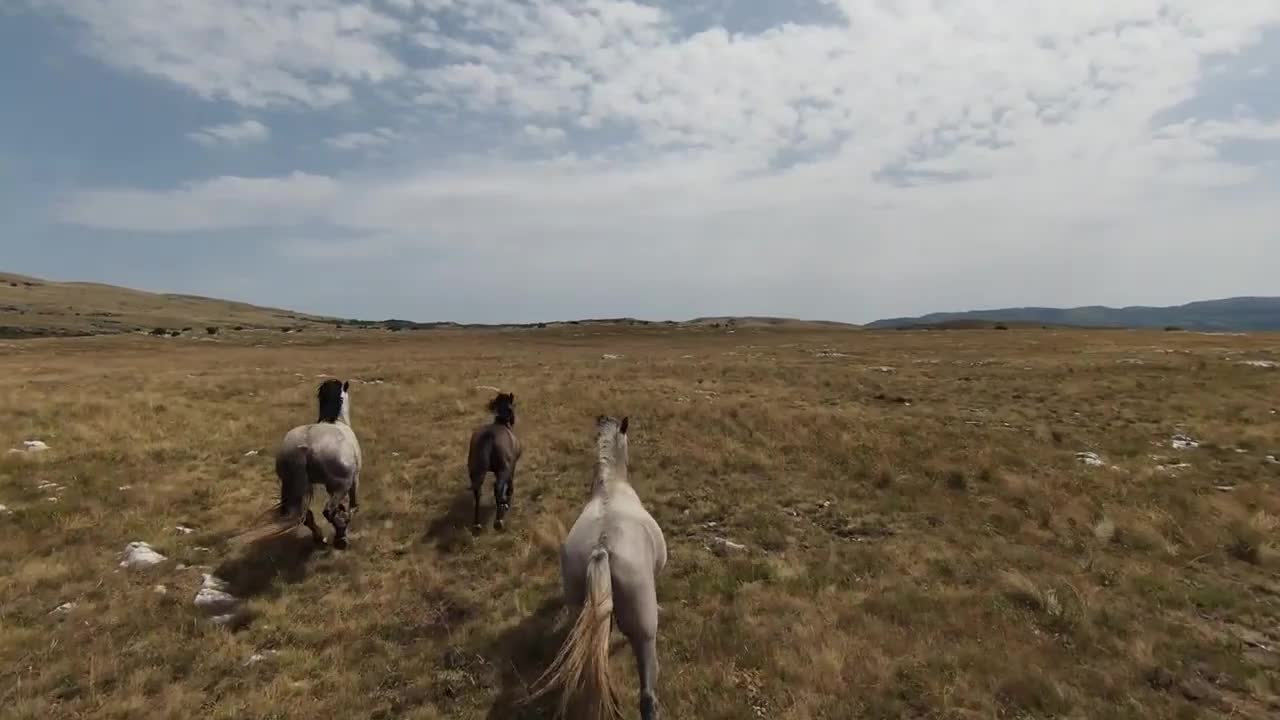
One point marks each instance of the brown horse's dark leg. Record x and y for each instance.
(316, 535)
(501, 497)
(476, 487)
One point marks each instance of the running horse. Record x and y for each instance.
(609, 565)
(325, 452)
(494, 448)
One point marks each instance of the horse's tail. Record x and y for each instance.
(581, 668)
(293, 469)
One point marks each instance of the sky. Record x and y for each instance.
(519, 161)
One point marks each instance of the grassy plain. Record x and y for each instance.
(921, 539)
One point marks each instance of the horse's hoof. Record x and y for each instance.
(341, 543)
(477, 528)
(498, 525)
(319, 542)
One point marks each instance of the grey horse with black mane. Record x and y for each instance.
(609, 565)
(494, 448)
(325, 452)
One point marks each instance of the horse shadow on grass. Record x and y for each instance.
(261, 567)
(451, 530)
(523, 653)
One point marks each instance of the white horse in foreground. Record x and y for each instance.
(609, 564)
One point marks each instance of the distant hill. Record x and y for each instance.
(32, 307)
(1239, 314)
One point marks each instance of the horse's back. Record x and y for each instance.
(624, 528)
(330, 446)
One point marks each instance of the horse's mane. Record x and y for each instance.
(501, 407)
(330, 397)
(607, 431)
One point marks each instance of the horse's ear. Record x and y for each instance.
(346, 385)
(511, 397)
(623, 427)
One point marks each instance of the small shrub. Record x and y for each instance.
(211, 330)
(1001, 326)
(175, 333)
(159, 332)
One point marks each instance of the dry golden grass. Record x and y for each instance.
(921, 542)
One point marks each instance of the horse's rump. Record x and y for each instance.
(492, 449)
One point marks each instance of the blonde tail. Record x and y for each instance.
(581, 668)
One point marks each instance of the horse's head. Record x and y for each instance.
(334, 401)
(503, 407)
(611, 439)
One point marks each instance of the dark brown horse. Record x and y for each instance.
(495, 449)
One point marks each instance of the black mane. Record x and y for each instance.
(330, 397)
(503, 408)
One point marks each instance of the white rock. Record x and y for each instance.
(34, 446)
(1182, 442)
(4, 510)
(722, 546)
(63, 609)
(183, 529)
(139, 554)
(1267, 364)
(259, 657)
(161, 590)
(610, 356)
(882, 369)
(122, 488)
(251, 453)
(1090, 458)
(1273, 460)
(1173, 468)
(213, 598)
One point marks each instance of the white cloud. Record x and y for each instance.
(242, 133)
(924, 155)
(539, 135)
(252, 52)
(219, 204)
(362, 140)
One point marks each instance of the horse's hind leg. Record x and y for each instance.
(338, 515)
(637, 616)
(477, 484)
(310, 522)
(502, 489)
(351, 494)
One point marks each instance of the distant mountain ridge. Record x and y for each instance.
(35, 307)
(1239, 314)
